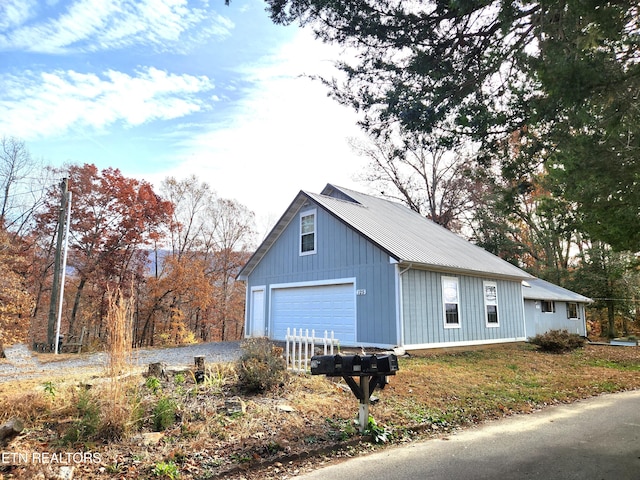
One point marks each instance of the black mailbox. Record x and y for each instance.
(326, 365)
(371, 370)
(388, 364)
(354, 365)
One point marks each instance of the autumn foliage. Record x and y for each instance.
(16, 302)
(178, 280)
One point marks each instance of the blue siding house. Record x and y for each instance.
(551, 307)
(378, 274)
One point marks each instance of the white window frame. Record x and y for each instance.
(451, 296)
(577, 317)
(490, 300)
(309, 213)
(551, 303)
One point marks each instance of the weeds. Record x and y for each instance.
(261, 366)
(217, 377)
(164, 414)
(88, 419)
(50, 389)
(431, 394)
(153, 384)
(379, 434)
(166, 470)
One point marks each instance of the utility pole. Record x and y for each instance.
(55, 287)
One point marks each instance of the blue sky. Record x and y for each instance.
(163, 88)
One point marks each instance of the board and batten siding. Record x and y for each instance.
(539, 322)
(340, 253)
(423, 315)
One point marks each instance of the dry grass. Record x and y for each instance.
(430, 395)
(116, 407)
(119, 328)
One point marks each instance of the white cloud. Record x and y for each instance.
(285, 135)
(38, 105)
(95, 25)
(15, 12)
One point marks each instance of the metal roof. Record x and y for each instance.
(405, 235)
(538, 289)
(411, 238)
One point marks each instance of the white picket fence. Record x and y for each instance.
(301, 347)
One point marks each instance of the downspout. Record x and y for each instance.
(400, 312)
(524, 312)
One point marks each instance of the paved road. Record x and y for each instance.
(595, 439)
(21, 363)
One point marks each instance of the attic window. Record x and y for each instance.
(308, 232)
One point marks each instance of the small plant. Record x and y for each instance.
(113, 467)
(153, 384)
(240, 458)
(261, 366)
(164, 414)
(216, 378)
(166, 470)
(50, 389)
(378, 434)
(558, 341)
(179, 379)
(86, 426)
(341, 429)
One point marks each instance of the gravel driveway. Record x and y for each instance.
(21, 363)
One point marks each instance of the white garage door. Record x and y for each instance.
(319, 308)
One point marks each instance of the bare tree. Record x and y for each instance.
(429, 178)
(16, 195)
(191, 200)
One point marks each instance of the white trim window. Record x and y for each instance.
(572, 311)
(308, 232)
(451, 302)
(491, 303)
(548, 306)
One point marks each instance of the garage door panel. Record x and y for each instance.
(319, 308)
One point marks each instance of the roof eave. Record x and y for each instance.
(282, 223)
(464, 271)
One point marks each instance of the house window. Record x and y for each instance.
(572, 310)
(451, 302)
(548, 306)
(308, 233)
(491, 303)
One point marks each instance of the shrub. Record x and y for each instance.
(558, 341)
(164, 414)
(261, 366)
(88, 419)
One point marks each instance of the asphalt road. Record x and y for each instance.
(594, 439)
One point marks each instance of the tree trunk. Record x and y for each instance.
(611, 331)
(9, 430)
(76, 304)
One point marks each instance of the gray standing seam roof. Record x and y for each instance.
(405, 235)
(538, 289)
(411, 238)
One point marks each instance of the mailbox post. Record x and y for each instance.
(372, 371)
